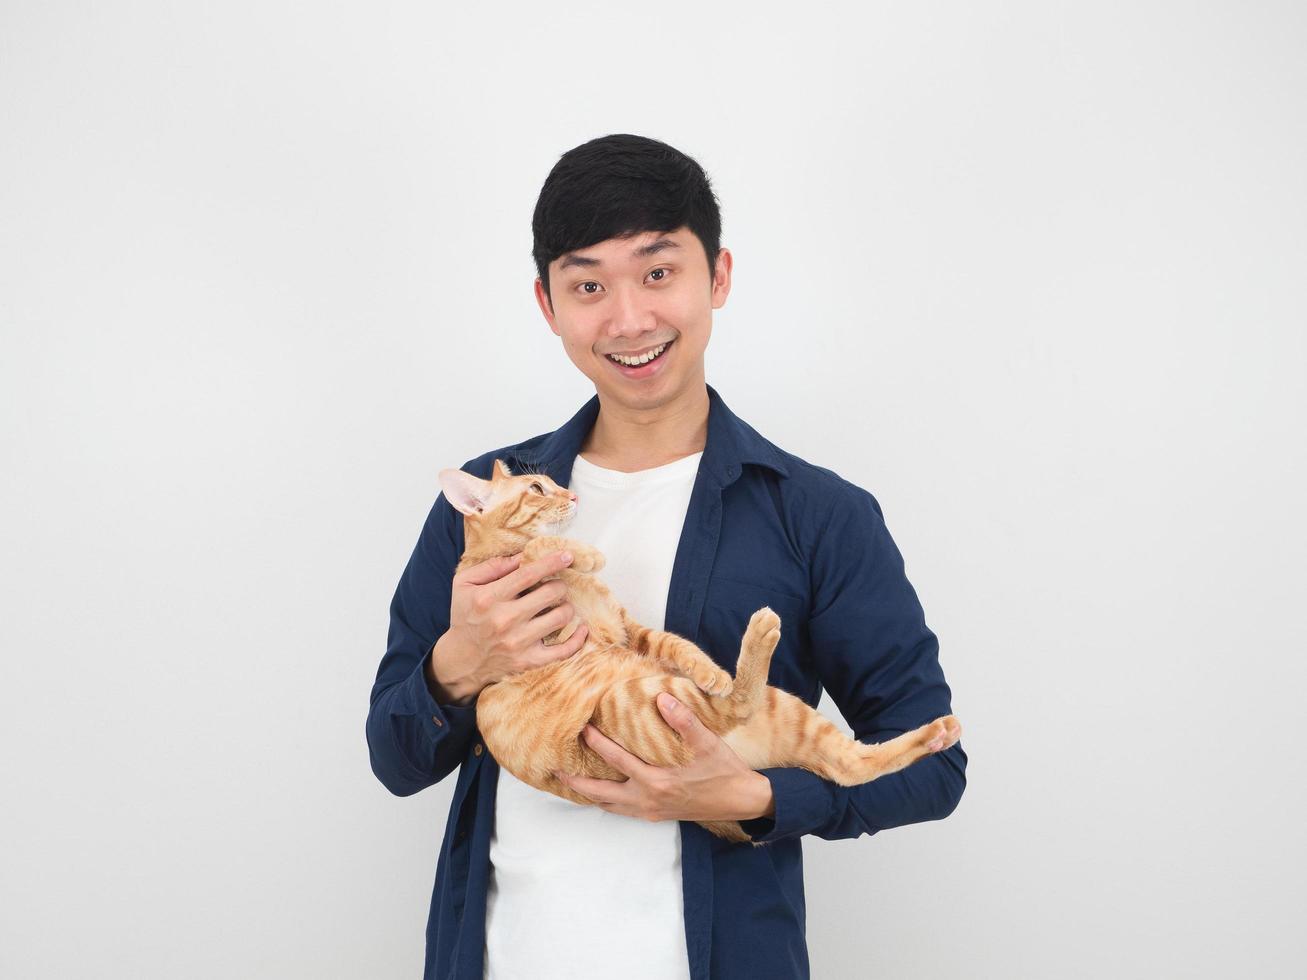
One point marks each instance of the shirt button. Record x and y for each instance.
(437, 721)
(476, 750)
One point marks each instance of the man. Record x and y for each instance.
(702, 521)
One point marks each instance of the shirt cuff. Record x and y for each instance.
(439, 720)
(803, 804)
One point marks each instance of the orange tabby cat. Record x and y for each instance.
(531, 722)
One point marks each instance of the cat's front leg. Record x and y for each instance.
(562, 635)
(584, 557)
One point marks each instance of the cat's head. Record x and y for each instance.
(529, 504)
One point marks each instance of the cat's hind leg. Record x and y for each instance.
(754, 664)
(785, 731)
(874, 761)
(680, 655)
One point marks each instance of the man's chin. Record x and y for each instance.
(647, 393)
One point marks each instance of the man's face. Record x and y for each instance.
(631, 296)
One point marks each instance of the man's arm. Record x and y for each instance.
(880, 664)
(414, 740)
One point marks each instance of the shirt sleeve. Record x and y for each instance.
(879, 663)
(414, 741)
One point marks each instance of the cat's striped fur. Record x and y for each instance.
(531, 722)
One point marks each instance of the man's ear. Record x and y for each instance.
(546, 304)
(501, 470)
(465, 492)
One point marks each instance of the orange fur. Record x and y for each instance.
(531, 722)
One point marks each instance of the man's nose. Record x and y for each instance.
(631, 318)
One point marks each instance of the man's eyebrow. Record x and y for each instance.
(652, 248)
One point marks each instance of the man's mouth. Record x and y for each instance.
(638, 359)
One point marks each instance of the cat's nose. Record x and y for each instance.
(572, 495)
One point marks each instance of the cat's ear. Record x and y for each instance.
(501, 470)
(466, 493)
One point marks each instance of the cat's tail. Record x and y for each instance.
(754, 664)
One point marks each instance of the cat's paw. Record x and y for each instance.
(764, 628)
(942, 733)
(564, 634)
(713, 681)
(586, 559)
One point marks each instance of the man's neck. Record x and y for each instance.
(631, 440)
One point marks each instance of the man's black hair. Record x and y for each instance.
(621, 185)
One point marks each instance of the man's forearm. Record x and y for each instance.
(449, 673)
(761, 801)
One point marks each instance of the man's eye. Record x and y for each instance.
(537, 488)
(659, 275)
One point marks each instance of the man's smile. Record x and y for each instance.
(640, 363)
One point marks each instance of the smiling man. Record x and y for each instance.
(702, 521)
(635, 315)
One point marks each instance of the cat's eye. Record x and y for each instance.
(537, 488)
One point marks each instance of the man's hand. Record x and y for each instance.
(716, 785)
(499, 612)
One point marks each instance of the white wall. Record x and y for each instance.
(1032, 273)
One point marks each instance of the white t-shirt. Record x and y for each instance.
(576, 892)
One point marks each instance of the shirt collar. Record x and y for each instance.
(732, 442)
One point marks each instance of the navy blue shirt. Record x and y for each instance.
(764, 528)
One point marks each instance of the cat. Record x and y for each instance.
(531, 722)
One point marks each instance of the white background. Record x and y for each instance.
(1031, 273)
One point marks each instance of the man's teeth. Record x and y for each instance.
(642, 359)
